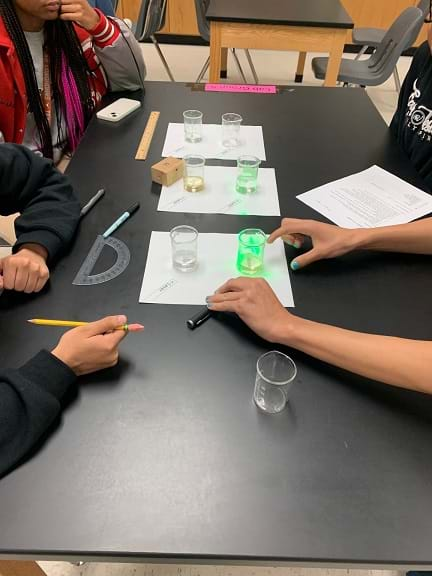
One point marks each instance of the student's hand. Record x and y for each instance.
(79, 11)
(256, 304)
(329, 241)
(92, 347)
(25, 271)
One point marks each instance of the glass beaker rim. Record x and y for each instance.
(253, 232)
(286, 357)
(183, 228)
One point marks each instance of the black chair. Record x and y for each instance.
(150, 20)
(372, 37)
(379, 67)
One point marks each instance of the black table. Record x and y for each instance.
(298, 25)
(166, 456)
(312, 13)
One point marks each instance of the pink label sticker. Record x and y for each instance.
(244, 88)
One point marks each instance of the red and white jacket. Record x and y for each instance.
(109, 48)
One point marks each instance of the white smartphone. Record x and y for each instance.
(118, 110)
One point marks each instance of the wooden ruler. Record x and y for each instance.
(147, 136)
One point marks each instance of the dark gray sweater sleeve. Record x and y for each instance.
(32, 186)
(30, 401)
(123, 61)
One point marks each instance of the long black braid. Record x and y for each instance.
(60, 38)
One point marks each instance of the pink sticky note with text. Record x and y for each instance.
(242, 88)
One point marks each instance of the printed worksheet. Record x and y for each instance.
(217, 263)
(251, 143)
(220, 196)
(369, 199)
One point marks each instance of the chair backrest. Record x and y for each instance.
(201, 7)
(400, 36)
(424, 6)
(151, 18)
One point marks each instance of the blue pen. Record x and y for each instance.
(122, 219)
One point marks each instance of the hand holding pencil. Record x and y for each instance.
(93, 346)
(74, 324)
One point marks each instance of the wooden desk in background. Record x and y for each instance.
(298, 25)
(181, 17)
(181, 20)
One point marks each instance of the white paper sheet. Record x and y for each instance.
(251, 143)
(221, 197)
(369, 199)
(217, 256)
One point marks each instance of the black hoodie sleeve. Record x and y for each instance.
(30, 401)
(32, 186)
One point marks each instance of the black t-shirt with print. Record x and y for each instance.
(412, 123)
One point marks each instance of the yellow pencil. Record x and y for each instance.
(72, 324)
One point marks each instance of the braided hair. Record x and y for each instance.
(70, 75)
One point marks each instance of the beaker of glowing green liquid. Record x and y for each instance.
(250, 255)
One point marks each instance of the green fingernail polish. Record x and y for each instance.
(296, 244)
(294, 265)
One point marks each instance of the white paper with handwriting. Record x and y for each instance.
(220, 196)
(217, 258)
(251, 143)
(369, 199)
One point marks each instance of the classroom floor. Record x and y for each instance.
(272, 68)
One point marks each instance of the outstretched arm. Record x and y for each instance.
(330, 241)
(31, 397)
(396, 361)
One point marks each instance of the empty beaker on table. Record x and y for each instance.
(231, 124)
(250, 255)
(192, 120)
(193, 174)
(275, 373)
(247, 174)
(184, 245)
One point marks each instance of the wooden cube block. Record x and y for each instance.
(167, 171)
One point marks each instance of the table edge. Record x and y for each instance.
(296, 23)
(208, 560)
